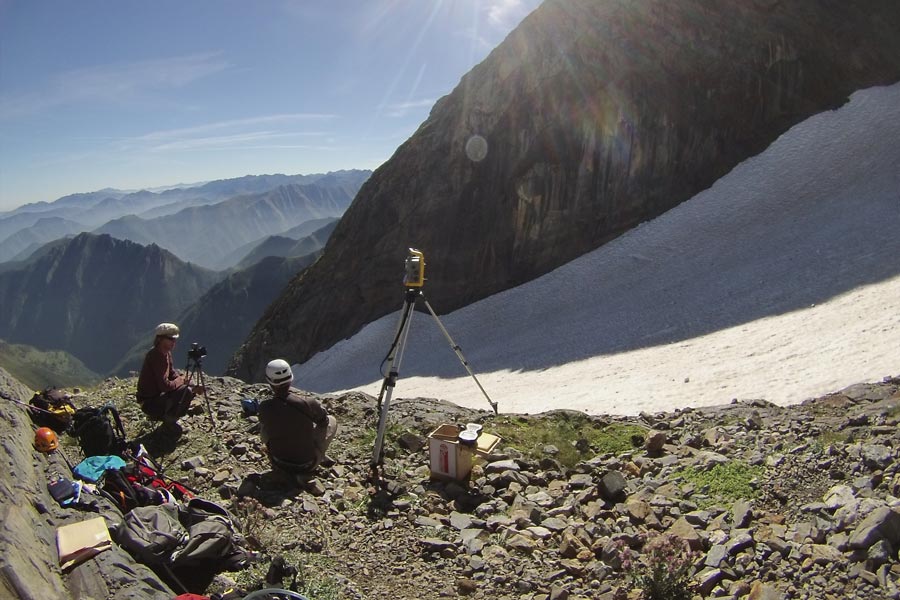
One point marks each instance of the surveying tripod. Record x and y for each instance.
(414, 280)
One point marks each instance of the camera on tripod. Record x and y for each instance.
(197, 352)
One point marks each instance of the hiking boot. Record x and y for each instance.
(171, 428)
(302, 479)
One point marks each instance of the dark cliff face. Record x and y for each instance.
(94, 296)
(597, 115)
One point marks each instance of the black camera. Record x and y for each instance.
(196, 352)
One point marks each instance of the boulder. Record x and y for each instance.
(612, 487)
(881, 524)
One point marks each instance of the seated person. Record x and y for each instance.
(161, 391)
(295, 430)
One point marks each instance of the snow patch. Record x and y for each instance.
(781, 281)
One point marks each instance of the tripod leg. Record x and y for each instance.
(387, 387)
(455, 347)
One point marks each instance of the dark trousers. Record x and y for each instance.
(168, 407)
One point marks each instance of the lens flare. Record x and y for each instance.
(476, 148)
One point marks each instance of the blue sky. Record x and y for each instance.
(143, 94)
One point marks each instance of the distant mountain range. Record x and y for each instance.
(259, 206)
(205, 235)
(94, 296)
(287, 247)
(98, 298)
(276, 245)
(25, 241)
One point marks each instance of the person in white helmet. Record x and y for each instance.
(295, 429)
(161, 390)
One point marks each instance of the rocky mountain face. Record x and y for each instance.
(757, 501)
(206, 234)
(590, 118)
(29, 561)
(95, 296)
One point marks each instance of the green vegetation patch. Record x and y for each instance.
(829, 437)
(577, 436)
(726, 482)
(39, 369)
(363, 441)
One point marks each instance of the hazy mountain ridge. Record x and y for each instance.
(90, 211)
(205, 235)
(286, 247)
(295, 233)
(94, 295)
(79, 201)
(43, 230)
(70, 289)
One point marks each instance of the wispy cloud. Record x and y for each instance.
(400, 109)
(230, 141)
(234, 124)
(112, 82)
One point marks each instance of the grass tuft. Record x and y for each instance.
(726, 482)
(577, 436)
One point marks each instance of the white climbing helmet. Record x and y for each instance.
(279, 372)
(169, 330)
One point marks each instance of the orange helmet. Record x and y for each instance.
(45, 440)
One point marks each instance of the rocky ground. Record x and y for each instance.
(775, 502)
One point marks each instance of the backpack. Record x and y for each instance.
(201, 509)
(213, 538)
(129, 494)
(96, 434)
(52, 408)
(144, 474)
(139, 484)
(152, 533)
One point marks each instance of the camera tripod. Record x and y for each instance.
(195, 368)
(395, 357)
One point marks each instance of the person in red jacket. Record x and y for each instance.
(161, 391)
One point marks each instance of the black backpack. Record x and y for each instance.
(96, 434)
